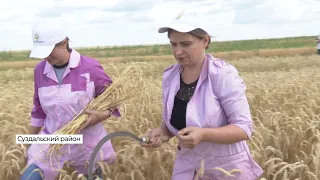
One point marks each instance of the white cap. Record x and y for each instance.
(185, 21)
(45, 36)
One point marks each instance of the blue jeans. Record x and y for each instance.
(36, 175)
(29, 172)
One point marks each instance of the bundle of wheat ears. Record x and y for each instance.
(129, 84)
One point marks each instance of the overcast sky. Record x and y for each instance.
(127, 22)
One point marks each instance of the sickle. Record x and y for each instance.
(105, 139)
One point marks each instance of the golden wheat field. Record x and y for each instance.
(283, 93)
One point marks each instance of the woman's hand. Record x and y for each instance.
(190, 136)
(156, 138)
(95, 117)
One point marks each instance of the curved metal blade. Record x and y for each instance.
(102, 141)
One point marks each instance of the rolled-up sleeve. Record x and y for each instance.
(231, 88)
(37, 114)
(101, 81)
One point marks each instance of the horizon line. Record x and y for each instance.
(135, 45)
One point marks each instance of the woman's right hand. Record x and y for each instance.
(155, 136)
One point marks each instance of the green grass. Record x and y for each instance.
(140, 50)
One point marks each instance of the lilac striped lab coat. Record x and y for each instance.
(219, 100)
(56, 104)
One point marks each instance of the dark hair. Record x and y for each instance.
(199, 33)
(68, 47)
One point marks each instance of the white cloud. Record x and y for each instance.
(121, 22)
(276, 11)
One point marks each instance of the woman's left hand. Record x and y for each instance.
(94, 118)
(190, 136)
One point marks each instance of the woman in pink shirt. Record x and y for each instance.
(205, 107)
(64, 83)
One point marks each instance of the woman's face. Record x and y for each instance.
(57, 55)
(186, 48)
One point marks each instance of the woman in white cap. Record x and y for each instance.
(64, 83)
(205, 107)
